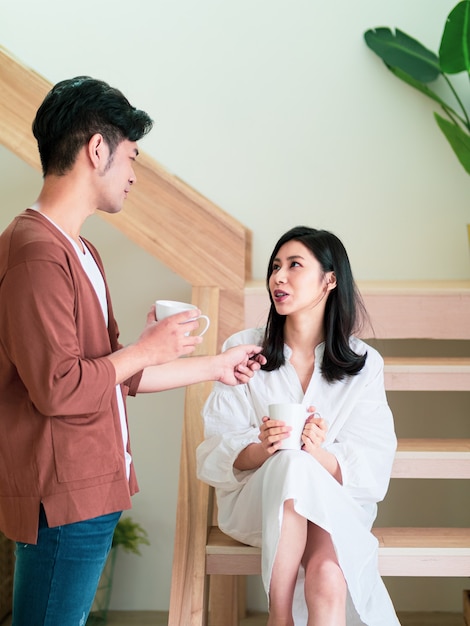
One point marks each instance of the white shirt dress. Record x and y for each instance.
(360, 434)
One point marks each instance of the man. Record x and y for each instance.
(66, 471)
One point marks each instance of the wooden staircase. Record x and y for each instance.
(439, 311)
(436, 311)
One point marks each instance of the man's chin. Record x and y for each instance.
(110, 210)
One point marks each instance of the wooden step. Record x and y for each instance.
(424, 551)
(432, 458)
(402, 552)
(421, 309)
(427, 373)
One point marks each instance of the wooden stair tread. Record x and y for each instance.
(406, 551)
(432, 458)
(404, 538)
(420, 309)
(438, 447)
(391, 287)
(427, 373)
(396, 537)
(427, 363)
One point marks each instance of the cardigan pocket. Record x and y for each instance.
(85, 448)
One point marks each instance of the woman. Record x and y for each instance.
(311, 510)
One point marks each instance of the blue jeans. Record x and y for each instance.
(56, 580)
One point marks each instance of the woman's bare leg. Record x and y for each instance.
(286, 566)
(325, 586)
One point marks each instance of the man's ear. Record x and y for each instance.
(97, 150)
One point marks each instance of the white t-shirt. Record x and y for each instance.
(93, 272)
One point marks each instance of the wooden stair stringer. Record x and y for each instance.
(166, 217)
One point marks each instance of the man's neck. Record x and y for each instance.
(63, 203)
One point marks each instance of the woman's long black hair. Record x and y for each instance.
(344, 311)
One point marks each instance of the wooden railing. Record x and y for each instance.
(203, 253)
(189, 234)
(163, 215)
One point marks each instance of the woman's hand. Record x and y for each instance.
(313, 436)
(314, 433)
(272, 433)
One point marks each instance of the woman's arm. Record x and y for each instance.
(271, 434)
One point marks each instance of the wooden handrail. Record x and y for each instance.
(196, 239)
(166, 217)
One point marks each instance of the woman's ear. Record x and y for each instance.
(331, 281)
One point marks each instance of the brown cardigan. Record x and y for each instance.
(60, 434)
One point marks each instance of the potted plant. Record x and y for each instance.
(129, 536)
(413, 63)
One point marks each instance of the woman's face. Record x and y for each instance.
(297, 282)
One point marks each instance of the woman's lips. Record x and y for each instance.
(279, 295)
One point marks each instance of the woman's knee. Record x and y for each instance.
(324, 578)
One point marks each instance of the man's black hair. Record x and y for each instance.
(76, 109)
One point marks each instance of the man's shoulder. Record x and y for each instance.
(30, 237)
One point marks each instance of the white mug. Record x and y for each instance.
(294, 415)
(165, 308)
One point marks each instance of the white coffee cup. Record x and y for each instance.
(294, 415)
(165, 308)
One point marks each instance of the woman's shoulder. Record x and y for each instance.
(249, 335)
(361, 347)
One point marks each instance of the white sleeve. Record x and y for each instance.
(229, 427)
(366, 444)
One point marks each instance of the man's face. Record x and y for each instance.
(117, 177)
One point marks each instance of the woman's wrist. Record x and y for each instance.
(251, 457)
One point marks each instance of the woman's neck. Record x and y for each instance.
(303, 334)
(302, 339)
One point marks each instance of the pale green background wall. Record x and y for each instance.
(279, 113)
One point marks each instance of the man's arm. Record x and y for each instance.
(159, 343)
(236, 365)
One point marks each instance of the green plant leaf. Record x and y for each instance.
(401, 51)
(458, 139)
(419, 86)
(129, 535)
(454, 52)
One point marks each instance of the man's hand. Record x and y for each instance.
(239, 364)
(159, 343)
(170, 338)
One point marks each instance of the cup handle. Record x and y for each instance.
(208, 323)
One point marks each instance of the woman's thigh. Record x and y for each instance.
(243, 514)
